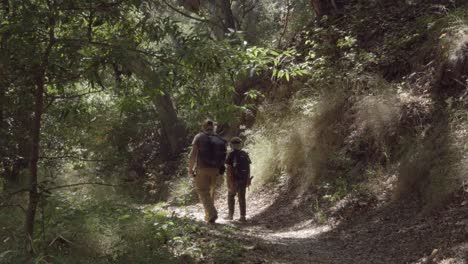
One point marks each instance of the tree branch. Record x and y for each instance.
(7, 196)
(188, 15)
(13, 205)
(26, 189)
(102, 7)
(76, 158)
(65, 97)
(81, 184)
(288, 10)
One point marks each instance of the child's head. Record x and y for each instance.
(236, 143)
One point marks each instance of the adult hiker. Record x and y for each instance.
(206, 163)
(238, 177)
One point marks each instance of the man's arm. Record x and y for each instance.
(192, 160)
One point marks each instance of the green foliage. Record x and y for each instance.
(338, 189)
(282, 64)
(210, 92)
(77, 228)
(106, 64)
(319, 213)
(182, 191)
(333, 53)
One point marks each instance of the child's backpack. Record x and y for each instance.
(241, 166)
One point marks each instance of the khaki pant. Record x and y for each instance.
(205, 181)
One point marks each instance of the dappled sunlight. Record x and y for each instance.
(127, 127)
(308, 233)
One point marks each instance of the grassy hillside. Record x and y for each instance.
(384, 112)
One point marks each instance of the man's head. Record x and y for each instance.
(236, 143)
(208, 126)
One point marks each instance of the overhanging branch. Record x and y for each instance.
(81, 184)
(7, 196)
(190, 16)
(76, 158)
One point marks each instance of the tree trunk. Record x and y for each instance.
(251, 27)
(3, 85)
(2, 103)
(228, 16)
(326, 7)
(36, 135)
(224, 17)
(34, 158)
(172, 127)
(4, 60)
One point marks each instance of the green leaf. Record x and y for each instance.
(124, 217)
(274, 53)
(280, 74)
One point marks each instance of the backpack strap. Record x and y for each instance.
(248, 157)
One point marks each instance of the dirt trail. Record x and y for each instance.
(283, 231)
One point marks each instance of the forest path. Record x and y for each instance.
(280, 229)
(268, 242)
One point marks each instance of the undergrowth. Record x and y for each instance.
(76, 228)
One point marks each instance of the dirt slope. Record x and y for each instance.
(282, 230)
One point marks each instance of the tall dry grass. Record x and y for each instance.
(294, 144)
(434, 165)
(354, 130)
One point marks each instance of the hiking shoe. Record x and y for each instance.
(242, 219)
(229, 217)
(213, 219)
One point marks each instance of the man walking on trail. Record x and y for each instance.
(206, 163)
(238, 177)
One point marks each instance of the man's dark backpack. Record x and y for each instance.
(241, 166)
(213, 153)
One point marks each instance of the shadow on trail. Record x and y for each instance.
(286, 211)
(396, 233)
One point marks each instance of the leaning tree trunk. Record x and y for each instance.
(173, 129)
(172, 126)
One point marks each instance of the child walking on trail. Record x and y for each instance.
(238, 177)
